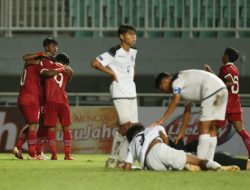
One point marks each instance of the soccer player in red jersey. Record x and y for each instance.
(229, 73)
(57, 105)
(28, 101)
(30, 94)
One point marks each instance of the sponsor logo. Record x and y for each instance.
(224, 133)
(177, 90)
(90, 132)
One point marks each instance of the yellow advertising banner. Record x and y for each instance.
(92, 128)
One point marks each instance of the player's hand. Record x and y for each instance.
(206, 67)
(159, 122)
(179, 137)
(68, 70)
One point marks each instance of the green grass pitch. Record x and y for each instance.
(87, 172)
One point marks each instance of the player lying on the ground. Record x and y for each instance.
(149, 147)
(223, 158)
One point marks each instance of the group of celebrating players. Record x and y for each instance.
(43, 85)
(43, 100)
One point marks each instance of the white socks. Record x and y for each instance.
(212, 148)
(203, 146)
(118, 138)
(212, 165)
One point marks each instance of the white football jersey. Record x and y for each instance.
(140, 143)
(122, 63)
(196, 85)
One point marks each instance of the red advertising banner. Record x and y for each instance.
(92, 129)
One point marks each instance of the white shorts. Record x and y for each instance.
(127, 110)
(214, 107)
(162, 157)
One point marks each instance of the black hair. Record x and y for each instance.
(232, 53)
(159, 78)
(62, 58)
(133, 130)
(124, 28)
(48, 41)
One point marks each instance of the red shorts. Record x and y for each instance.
(231, 117)
(30, 112)
(54, 111)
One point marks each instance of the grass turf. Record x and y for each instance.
(88, 172)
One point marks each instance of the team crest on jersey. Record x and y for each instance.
(177, 90)
(100, 57)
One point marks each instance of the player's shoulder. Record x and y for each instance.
(133, 49)
(112, 51)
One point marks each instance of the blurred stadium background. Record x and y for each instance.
(172, 35)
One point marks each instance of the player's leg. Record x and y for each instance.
(31, 140)
(239, 127)
(204, 164)
(31, 114)
(64, 118)
(22, 138)
(132, 116)
(204, 139)
(212, 108)
(122, 107)
(42, 136)
(213, 141)
(67, 139)
(50, 121)
(52, 142)
(227, 159)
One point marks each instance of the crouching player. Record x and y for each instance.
(149, 147)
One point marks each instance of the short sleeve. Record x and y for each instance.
(105, 59)
(224, 72)
(177, 86)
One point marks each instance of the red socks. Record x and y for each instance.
(32, 143)
(22, 138)
(67, 137)
(52, 141)
(246, 138)
(42, 135)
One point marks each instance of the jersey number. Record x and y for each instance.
(235, 87)
(142, 138)
(59, 79)
(23, 77)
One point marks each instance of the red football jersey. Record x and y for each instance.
(30, 87)
(233, 105)
(55, 86)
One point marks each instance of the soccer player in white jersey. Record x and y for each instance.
(149, 147)
(209, 91)
(119, 63)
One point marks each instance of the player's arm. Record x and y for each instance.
(69, 71)
(172, 105)
(31, 56)
(31, 62)
(228, 80)
(164, 137)
(97, 65)
(185, 120)
(206, 67)
(52, 72)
